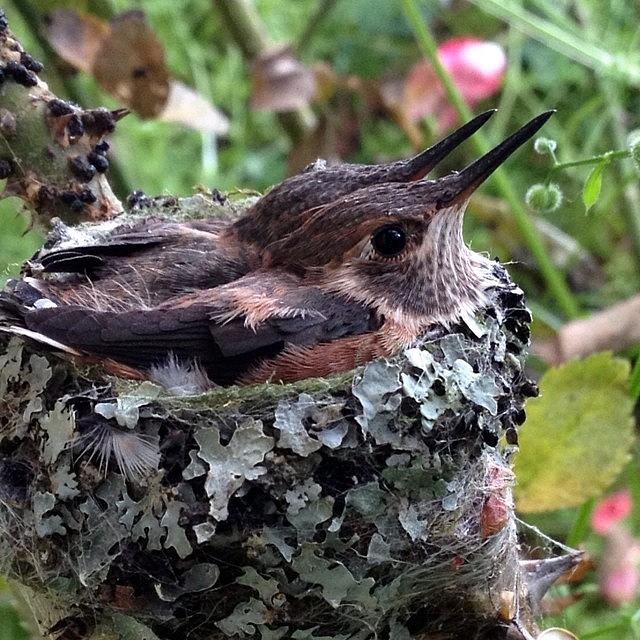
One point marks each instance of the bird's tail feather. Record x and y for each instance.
(18, 298)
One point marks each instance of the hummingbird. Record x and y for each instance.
(359, 278)
(142, 264)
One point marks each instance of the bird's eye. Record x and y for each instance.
(389, 241)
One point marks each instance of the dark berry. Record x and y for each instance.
(21, 74)
(519, 416)
(59, 108)
(98, 161)
(68, 197)
(218, 196)
(529, 389)
(490, 438)
(136, 198)
(87, 196)
(98, 121)
(77, 206)
(81, 168)
(101, 147)
(511, 436)
(30, 62)
(514, 348)
(105, 122)
(6, 169)
(438, 387)
(75, 128)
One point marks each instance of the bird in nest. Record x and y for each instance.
(332, 268)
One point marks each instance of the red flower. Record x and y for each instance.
(477, 68)
(611, 510)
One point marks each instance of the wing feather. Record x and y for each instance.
(300, 316)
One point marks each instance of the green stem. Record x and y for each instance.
(244, 24)
(560, 39)
(430, 50)
(631, 211)
(323, 9)
(552, 276)
(634, 382)
(250, 35)
(581, 524)
(610, 155)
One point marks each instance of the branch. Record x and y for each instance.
(51, 152)
(613, 329)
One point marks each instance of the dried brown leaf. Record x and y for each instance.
(279, 82)
(130, 65)
(76, 37)
(186, 106)
(124, 56)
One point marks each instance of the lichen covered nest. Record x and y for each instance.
(371, 505)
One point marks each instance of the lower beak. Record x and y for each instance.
(457, 187)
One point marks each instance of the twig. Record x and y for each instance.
(613, 329)
(249, 34)
(323, 9)
(33, 21)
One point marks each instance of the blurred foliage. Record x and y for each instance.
(577, 56)
(567, 454)
(11, 627)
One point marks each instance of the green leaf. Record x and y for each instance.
(578, 434)
(593, 185)
(11, 628)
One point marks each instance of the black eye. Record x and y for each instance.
(389, 241)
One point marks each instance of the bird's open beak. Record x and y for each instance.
(457, 187)
(418, 166)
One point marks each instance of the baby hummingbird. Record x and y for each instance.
(142, 264)
(359, 278)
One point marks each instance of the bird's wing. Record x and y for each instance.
(122, 241)
(227, 330)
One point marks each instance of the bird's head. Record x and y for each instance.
(399, 247)
(289, 204)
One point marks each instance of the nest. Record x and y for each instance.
(376, 504)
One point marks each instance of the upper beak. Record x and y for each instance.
(418, 166)
(457, 187)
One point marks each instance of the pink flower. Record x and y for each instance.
(610, 511)
(618, 572)
(621, 585)
(477, 68)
